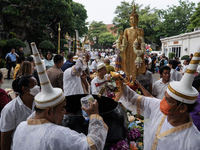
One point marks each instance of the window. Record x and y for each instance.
(177, 51)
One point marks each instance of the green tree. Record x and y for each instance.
(107, 39)
(36, 20)
(46, 46)
(80, 16)
(15, 43)
(148, 19)
(195, 19)
(175, 19)
(95, 29)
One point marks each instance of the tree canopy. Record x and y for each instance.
(37, 20)
(107, 39)
(156, 23)
(94, 32)
(175, 19)
(195, 19)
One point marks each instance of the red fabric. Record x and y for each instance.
(3, 98)
(99, 84)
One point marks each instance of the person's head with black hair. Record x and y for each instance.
(173, 63)
(62, 53)
(30, 59)
(70, 57)
(191, 56)
(20, 59)
(20, 49)
(26, 86)
(49, 56)
(165, 73)
(41, 56)
(58, 61)
(12, 50)
(186, 61)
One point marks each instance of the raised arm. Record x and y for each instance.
(97, 131)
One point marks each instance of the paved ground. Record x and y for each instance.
(8, 83)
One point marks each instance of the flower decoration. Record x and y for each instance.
(131, 118)
(121, 145)
(133, 146)
(133, 134)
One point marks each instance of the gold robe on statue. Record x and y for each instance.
(129, 56)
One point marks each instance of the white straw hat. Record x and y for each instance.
(49, 96)
(100, 65)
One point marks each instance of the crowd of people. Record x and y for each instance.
(91, 74)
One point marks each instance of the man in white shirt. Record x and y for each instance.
(72, 80)
(186, 63)
(160, 86)
(95, 64)
(99, 81)
(168, 124)
(174, 74)
(92, 58)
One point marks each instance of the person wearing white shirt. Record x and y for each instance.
(176, 130)
(94, 65)
(63, 54)
(18, 109)
(167, 123)
(160, 86)
(92, 58)
(186, 63)
(72, 83)
(174, 74)
(98, 82)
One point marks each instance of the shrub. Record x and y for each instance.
(2, 63)
(15, 43)
(184, 57)
(171, 55)
(46, 45)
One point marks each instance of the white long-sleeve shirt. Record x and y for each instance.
(187, 139)
(40, 134)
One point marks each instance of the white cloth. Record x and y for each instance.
(166, 126)
(185, 68)
(145, 80)
(94, 65)
(188, 139)
(96, 89)
(14, 113)
(92, 55)
(71, 83)
(64, 60)
(175, 75)
(150, 60)
(159, 88)
(49, 136)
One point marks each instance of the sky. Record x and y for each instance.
(103, 10)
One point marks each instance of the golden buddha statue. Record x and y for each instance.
(133, 48)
